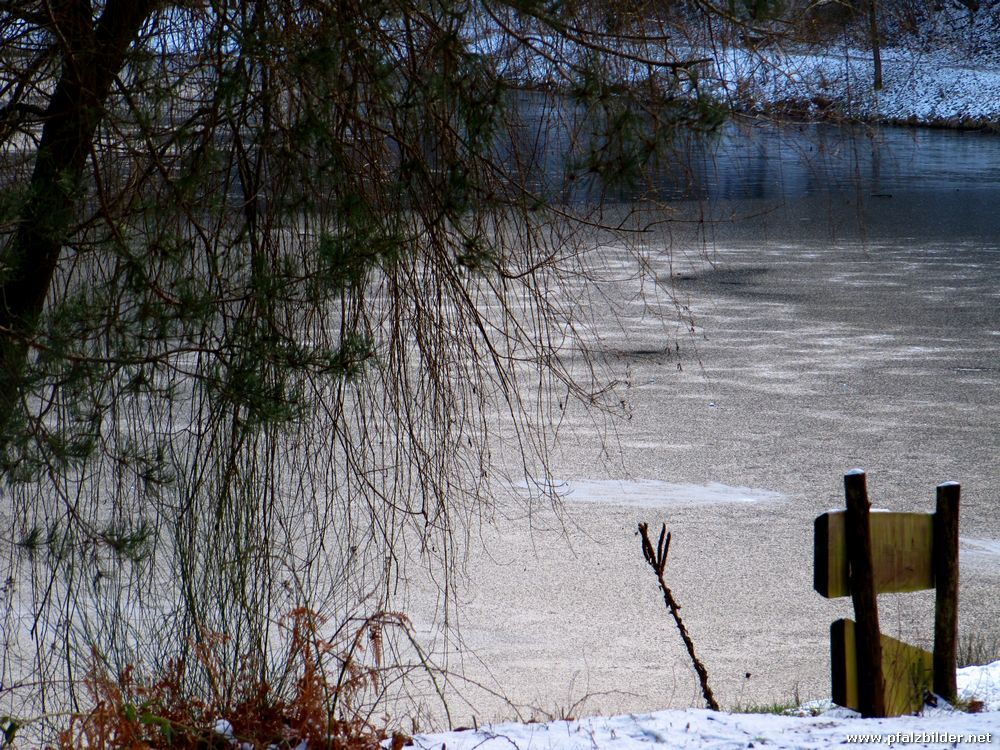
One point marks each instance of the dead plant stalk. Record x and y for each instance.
(657, 560)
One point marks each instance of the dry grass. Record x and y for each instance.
(239, 710)
(977, 648)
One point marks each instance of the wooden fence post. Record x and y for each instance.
(871, 683)
(946, 583)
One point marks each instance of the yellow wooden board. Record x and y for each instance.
(902, 546)
(908, 671)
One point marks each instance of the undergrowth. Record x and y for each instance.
(241, 710)
(978, 648)
(777, 708)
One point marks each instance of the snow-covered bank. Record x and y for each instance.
(942, 70)
(937, 727)
(939, 88)
(940, 67)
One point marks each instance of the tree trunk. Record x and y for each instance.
(92, 54)
(876, 43)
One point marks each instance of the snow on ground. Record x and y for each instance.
(940, 87)
(943, 71)
(699, 728)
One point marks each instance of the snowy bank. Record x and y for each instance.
(936, 727)
(940, 66)
(942, 88)
(942, 71)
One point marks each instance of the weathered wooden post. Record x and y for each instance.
(946, 585)
(861, 579)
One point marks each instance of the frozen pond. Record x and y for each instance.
(837, 294)
(845, 315)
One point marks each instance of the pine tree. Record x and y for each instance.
(277, 284)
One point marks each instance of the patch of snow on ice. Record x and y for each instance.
(649, 493)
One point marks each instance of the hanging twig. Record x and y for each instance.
(658, 562)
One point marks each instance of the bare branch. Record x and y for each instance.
(658, 562)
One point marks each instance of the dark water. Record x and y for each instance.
(785, 181)
(765, 160)
(850, 182)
